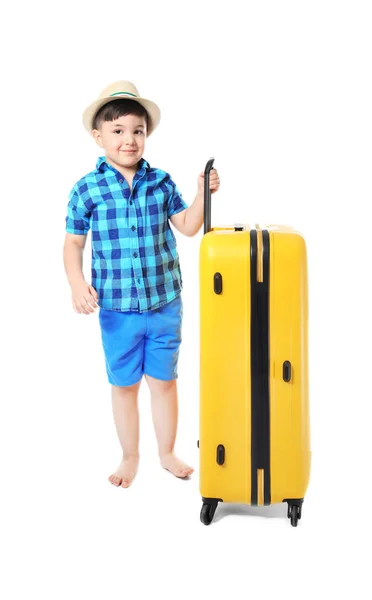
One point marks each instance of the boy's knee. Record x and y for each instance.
(160, 385)
(127, 388)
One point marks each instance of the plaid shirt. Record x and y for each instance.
(135, 264)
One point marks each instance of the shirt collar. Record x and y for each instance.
(102, 165)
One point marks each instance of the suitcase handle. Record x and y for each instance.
(207, 196)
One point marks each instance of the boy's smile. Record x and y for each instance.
(123, 141)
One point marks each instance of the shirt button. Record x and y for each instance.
(135, 255)
(120, 180)
(131, 202)
(133, 228)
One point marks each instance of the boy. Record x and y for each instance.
(136, 277)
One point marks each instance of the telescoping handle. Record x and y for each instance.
(207, 197)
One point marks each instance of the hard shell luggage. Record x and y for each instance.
(254, 437)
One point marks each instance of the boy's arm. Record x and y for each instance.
(73, 257)
(191, 219)
(77, 227)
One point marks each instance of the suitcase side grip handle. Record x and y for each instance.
(287, 371)
(220, 454)
(217, 283)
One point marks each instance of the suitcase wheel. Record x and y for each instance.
(207, 512)
(294, 514)
(294, 510)
(299, 507)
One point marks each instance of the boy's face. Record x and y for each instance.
(122, 139)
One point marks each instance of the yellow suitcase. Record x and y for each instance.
(254, 440)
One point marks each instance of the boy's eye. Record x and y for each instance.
(119, 131)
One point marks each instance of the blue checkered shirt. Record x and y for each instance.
(135, 263)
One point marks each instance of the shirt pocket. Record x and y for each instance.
(156, 208)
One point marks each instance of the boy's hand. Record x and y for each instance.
(214, 182)
(84, 297)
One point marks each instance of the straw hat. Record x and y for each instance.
(121, 89)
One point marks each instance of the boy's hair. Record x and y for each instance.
(118, 108)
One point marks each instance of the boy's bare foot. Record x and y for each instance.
(175, 465)
(124, 474)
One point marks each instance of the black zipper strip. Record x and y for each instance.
(266, 354)
(260, 400)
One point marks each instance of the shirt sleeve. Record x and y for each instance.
(175, 202)
(78, 216)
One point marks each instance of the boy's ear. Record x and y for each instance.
(97, 136)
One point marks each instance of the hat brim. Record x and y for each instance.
(152, 109)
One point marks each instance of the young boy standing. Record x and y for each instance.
(136, 276)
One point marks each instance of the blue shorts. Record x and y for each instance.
(135, 343)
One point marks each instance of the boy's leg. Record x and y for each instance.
(125, 409)
(123, 343)
(164, 406)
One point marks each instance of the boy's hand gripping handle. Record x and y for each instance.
(207, 196)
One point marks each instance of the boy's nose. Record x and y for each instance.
(128, 141)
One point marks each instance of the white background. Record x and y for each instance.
(280, 94)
